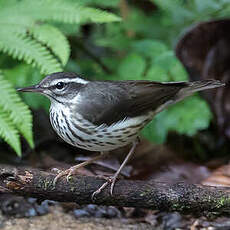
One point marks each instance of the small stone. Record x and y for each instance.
(81, 213)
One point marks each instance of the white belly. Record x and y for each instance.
(86, 135)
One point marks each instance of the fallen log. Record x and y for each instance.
(182, 197)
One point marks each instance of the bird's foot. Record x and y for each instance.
(68, 173)
(109, 180)
(74, 169)
(112, 180)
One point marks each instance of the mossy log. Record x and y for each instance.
(182, 197)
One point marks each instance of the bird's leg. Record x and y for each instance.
(72, 170)
(113, 179)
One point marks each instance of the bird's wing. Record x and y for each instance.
(109, 102)
(149, 96)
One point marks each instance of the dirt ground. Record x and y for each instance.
(57, 220)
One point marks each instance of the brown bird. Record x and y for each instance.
(105, 115)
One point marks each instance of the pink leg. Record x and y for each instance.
(73, 170)
(113, 179)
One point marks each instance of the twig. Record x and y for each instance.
(181, 197)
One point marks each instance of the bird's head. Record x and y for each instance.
(59, 87)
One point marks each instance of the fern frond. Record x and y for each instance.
(13, 18)
(9, 133)
(22, 38)
(54, 39)
(16, 21)
(32, 52)
(18, 112)
(101, 3)
(59, 11)
(12, 28)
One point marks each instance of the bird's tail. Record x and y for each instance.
(192, 87)
(187, 89)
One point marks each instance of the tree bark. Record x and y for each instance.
(181, 197)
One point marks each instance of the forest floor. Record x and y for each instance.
(58, 220)
(176, 161)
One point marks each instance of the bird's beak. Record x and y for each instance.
(33, 88)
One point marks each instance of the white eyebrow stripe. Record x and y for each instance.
(79, 80)
(75, 80)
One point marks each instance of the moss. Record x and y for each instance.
(142, 194)
(72, 189)
(178, 207)
(40, 183)
(46, 184)
(69, 179)
(223, 201)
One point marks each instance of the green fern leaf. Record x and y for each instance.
(101, 3)
(186, 117)
(8, 132)
(12, 28)
(25, 48)
(32, 47)
(59, 11)
(17, 110)
(54, 39)
(10, 16)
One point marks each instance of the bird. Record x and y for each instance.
(105, 115)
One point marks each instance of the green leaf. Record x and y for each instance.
(26, 34)
(67, 29)
(22, 37)
(8, 132)
(32, 52)
(132, 67)
(186, 117)
(114, 37)
(24, 75)
(155, 131)
(157, 73)
(54, 39)
(178, 72)
(165, 60)
(101, 3)
(191, 115)
(166, 67)
(149, 48)
(207, 5)
(18, 112)
(57, 10)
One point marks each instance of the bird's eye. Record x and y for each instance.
(60, 85)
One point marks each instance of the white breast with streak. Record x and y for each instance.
(77, 131)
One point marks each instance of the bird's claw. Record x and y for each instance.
(68, 178)
(113, 181)
(109, 180)
(67, 172)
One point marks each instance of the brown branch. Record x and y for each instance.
(182, 197)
